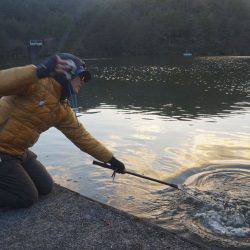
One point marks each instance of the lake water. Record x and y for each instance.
(180, 120)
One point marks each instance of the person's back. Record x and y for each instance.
(23, 117)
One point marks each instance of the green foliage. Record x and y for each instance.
(126, 27)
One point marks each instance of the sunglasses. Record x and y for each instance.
(84, 75)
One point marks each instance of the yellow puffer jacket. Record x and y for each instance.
(30, 106)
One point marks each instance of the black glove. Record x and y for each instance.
(117, 165)
(47, 68)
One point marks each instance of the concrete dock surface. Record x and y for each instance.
(67, 220)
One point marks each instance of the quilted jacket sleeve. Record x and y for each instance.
(15, 81)
(81, 138)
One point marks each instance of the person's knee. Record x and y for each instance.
(28, 199)
(47, 187)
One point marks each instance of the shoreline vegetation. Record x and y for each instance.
(108, 28)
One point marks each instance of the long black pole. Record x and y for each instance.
(104, 165)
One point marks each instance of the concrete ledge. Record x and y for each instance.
(68, 220)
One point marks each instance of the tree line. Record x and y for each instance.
(97, 28)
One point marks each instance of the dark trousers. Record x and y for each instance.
(22, 180)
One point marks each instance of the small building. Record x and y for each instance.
(36, 43)
(187, 54)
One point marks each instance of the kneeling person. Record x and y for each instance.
(35, 98)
